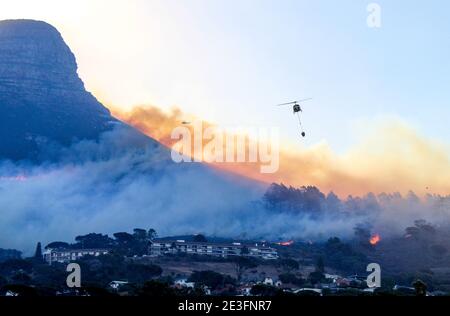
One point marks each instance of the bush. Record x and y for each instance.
(156, 289)
(211, 279)
(265, 290)
(140, 272)
(289, 278)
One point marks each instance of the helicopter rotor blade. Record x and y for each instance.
(290, 103)
(304, 100)
(295, 102)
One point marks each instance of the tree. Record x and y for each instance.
(265, 290)
(320, 265)
(132, 245)
(343, 257)
(57, 245)
(200, 238)
(152, 234)
(362, 234)
(242, 264)
(425, 227)
(3, 281)
(142, 272)
(420, 287)
(211, 279)
(413, 232)
(91, 241)
(289, 265)
(38, 253)
(316, 277)
(15, 265)
(123, 238)
(9, 254)
(156, 289)
(21, 290)
(21, 278)
(140, 234)
(289, 278)
(306, 200)
(438, 250)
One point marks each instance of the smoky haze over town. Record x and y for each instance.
(101, 189)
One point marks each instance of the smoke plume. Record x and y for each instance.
(394, 158)
(125, 180)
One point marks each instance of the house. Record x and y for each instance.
(268, 281)
(263, 251)
(116, 285)
(244, 290)
(183, 283)
(342, 282)
(166, 246)
(332, 277)
(369, 290)
(272, 282)
(69, 255)
(404, 290)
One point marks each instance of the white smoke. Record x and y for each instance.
(125, 181)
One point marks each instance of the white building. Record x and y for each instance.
(116, 285)
(184, 283)
(272, 282)
(165, 246)
(69, 255)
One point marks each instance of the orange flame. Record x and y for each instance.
(375, 240)
(286, 243)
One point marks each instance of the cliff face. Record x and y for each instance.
(42, 99)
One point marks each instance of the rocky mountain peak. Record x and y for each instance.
(41, 95)
(33, 54)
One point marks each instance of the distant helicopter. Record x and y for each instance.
(297, 109)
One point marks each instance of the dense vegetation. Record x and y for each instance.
(301, 265)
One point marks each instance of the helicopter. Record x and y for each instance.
(297, 109)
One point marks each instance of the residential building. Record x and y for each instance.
(69, 255)
(183, 283)
(116, 285)
(165, 246)
(272, 282)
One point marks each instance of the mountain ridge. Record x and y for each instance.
(42, 98)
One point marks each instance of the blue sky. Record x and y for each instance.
(324, 49)
(230, 61)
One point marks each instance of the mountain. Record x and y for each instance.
(42, 98)
(89, 171)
